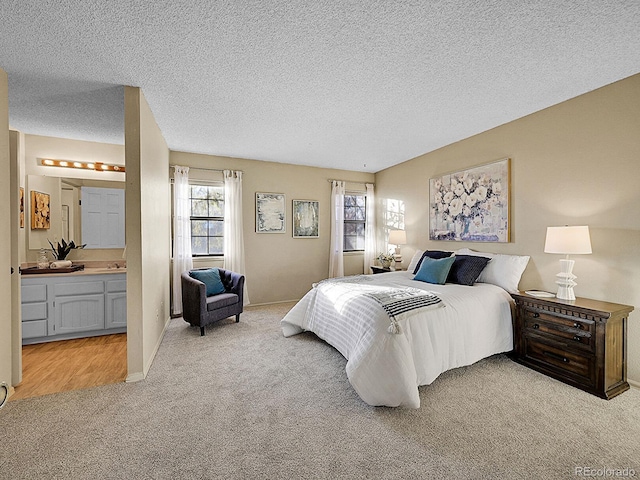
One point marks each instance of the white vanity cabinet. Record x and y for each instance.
(73, 306)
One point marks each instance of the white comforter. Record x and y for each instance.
(386, 368)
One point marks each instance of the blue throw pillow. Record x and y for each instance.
(434, 270)
(211, 278)
(431, 254)
(466, 269)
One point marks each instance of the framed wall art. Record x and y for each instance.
(21, 207)
(40, 210)
(471, 205)
(306, 219)
(270, 213)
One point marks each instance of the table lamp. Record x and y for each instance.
(397, 238)
(567, 241)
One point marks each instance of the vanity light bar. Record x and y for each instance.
(97, 166)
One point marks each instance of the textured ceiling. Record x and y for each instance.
(358, 85)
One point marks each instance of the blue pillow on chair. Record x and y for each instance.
(211, 278)
(434, 270)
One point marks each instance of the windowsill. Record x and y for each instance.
(349, 254)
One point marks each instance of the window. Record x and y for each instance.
(354, 221)
(207, 219)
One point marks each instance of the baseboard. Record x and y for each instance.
(134, 377)
(138, 376)
(634, 384)
(272, 303)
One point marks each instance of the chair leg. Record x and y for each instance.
(202, 331)
(237, 318)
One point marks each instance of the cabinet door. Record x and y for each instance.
(116, 310)
(78, 313)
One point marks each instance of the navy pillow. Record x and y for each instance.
(434, 270)
(431, 254)
(466, 269)
(211, 278)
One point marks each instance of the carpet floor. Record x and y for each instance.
(245, 402)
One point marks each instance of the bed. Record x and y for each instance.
(390, 353)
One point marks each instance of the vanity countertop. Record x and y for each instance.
(90, 268)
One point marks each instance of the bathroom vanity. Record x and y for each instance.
(61, 306)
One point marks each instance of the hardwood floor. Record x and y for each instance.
(72, 365)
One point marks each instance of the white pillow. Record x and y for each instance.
(503, 270)
(414, 260)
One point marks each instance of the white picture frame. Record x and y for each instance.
(270, 213)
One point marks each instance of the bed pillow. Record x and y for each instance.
(414, 261)
(503, 270)
(434, 270)
(466, 269)
(211, 278)
(436, 254)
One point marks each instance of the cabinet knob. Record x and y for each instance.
(565, 359)
(577, 325)
(536, 326)
(576, 338)
(536, 315)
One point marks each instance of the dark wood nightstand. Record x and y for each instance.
(581, 342)
(379, 269)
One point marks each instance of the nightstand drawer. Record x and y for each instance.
(559, 332)
(578, 367)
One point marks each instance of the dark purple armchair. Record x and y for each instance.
(200, 310)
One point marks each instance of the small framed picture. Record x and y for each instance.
(40, 210)
(270, 213)
(306, 219)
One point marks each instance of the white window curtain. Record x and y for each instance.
(370, 252)
(336, 261)
(182, 259)
(233, 227)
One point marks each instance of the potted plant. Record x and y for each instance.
(385, 259)
(61, 250)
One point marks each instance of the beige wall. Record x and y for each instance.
(147, 233)
(5, 236)
(576, 163)
(280, 267)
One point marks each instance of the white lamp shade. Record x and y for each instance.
(567, 240)
(397, 237)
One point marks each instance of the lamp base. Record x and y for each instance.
(397, 257)
(566, 281)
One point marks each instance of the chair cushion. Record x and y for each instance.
(211, 278)
(222, 300)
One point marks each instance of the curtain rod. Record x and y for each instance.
(207, 169)
(348, 181)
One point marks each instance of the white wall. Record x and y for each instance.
(576, 163)
(147, 232)
(5, 236)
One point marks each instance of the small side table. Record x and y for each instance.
(379, 269)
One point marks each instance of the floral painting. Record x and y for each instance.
(270, 213)
(305, 219)
(39, 210)
(471, 205)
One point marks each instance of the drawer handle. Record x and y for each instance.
(577, 338)
(536, 326)
(556, 356)
(577, 325)
(536, 315)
